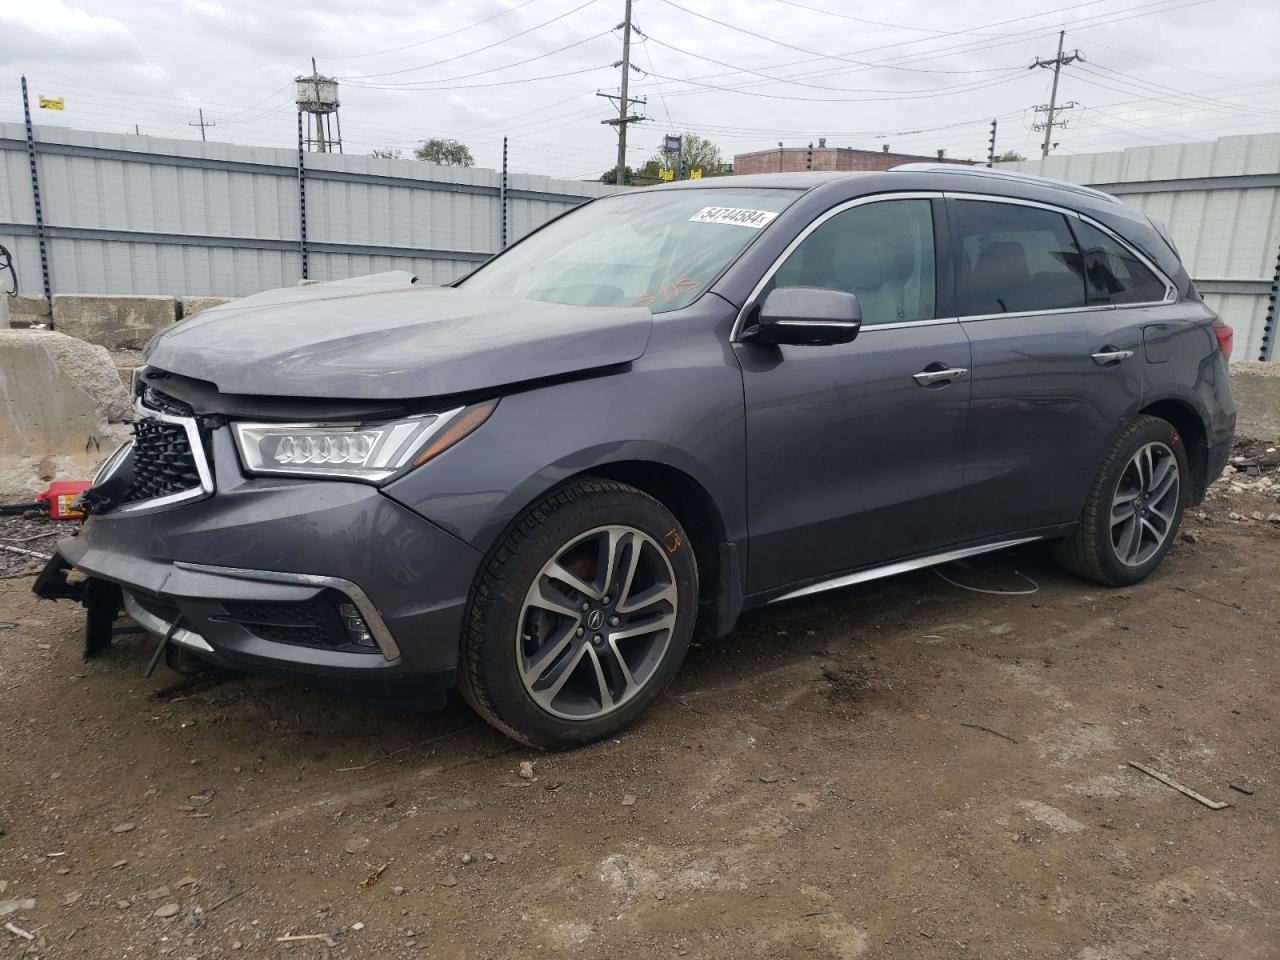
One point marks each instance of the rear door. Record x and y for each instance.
(854, 451)
(1056, 367)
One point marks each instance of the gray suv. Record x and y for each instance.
(663, 408)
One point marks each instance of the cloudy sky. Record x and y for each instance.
(748, 74)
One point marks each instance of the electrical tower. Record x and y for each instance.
(624, 102)
(1051, 109)
(317, 97)
(202, 124)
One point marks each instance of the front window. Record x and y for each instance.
(656, 249)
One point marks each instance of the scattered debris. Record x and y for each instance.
(328, 940)
(1169, 781)
(356, 844)
(983, 727)
(13, 906)
(168, 911)
(186, 882)
(358, 925)
(526, 770)
(19, 931)
(1241, 788)
(466, 858)
(769, 778)
(449, 881)
(373, 876)
(124, 827)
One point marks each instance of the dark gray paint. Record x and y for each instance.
(809, 461)
(395, 342)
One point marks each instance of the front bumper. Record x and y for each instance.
(292, 542)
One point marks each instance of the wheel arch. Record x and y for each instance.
(1186, 420)
(719, 570)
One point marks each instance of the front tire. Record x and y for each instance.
(581, 615)
(1134, 508)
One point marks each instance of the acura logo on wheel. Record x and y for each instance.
(595, 619)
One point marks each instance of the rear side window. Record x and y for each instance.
(1112, 273)
(1014, 259)
(881, 251)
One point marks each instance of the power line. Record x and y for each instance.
(202, 124)
(487, 46)
(423, 43)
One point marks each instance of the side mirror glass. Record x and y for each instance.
(806, 315)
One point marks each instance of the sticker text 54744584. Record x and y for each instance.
(755, 219)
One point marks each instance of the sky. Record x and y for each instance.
(919, 76)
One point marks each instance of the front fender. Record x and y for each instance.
(679, 405)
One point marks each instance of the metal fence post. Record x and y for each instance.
(35, 196)
(302, 202)
(502, 194)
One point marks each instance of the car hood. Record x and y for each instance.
(383, 337)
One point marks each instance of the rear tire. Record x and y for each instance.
(580, 616)
(1134, 508)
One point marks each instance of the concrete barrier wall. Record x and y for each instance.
(1256, 388)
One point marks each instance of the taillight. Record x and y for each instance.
(1226, 337)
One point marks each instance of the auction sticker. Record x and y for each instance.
(755, 219)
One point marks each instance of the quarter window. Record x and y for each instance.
(1015, 259)
(1113, 273)
(881, 251)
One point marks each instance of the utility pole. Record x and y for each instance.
(1052, 108)
(624, 102)
(202, 124)
(991, 146)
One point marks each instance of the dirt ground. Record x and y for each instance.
(900, 770)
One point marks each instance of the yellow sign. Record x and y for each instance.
(695, 173)
(664, 174)
(53, 103)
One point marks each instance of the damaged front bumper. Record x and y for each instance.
(329, 582)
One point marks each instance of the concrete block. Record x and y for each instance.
(112, 321)
(189, 306)
(61, 402)
(24, 310)
(1256, 389)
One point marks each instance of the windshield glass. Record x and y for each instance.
(655, 249)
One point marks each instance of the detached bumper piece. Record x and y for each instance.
(101, 598)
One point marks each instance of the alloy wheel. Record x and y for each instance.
(1145, 504)
(596, 622)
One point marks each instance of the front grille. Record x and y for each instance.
(163, 461)
(309, 623)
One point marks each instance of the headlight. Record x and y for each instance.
(373, 452)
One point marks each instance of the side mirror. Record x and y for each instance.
(806, 315)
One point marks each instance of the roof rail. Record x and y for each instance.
(1011, 175)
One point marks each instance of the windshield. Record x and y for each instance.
(655, 249)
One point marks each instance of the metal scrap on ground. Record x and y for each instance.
(1169, 781)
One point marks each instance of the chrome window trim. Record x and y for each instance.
(901, 566)
(197, 453)
(1170, 288)
(735, 333)
(153, 623)
(381, 635)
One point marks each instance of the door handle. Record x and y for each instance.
(927, 377)
(1109, 355)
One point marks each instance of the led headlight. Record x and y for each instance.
(373, 452)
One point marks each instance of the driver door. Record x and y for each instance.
(855, 451)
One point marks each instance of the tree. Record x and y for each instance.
(387, 153)
(1009, 156)
(448, 153)
(697, 153)
(611, 176)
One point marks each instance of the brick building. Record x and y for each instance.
(799, 159)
